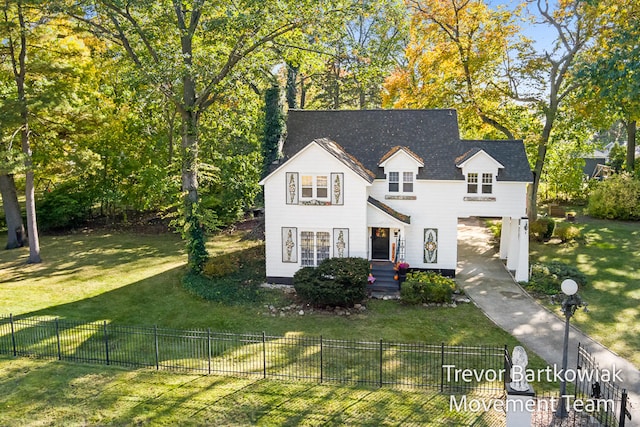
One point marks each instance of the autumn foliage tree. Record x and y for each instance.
(456, 57)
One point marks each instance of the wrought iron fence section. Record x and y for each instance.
(592, 385)
(297, 357)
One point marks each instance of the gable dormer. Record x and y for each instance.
(401, 167)
(480, 171)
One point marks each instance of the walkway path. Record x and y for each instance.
(486, 281)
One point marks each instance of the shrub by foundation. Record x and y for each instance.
(424, 287)
(335, 282)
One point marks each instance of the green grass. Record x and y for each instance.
(130, 279)
(136, 280)
(34, 392)
(609, 255)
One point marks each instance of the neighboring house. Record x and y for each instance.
(389, 185)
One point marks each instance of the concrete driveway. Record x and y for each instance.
(486, 281)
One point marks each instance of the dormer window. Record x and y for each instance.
(407, 182)
(472, 183)
(394, 182)
(487, 183)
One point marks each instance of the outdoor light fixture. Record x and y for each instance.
(569, 305)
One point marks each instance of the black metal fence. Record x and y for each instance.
(590, 383)
(594, 400)
(444, 368)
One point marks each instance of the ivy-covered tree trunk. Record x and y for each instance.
(273, 128)
(292, 89)
(15, 234)
(193, 228)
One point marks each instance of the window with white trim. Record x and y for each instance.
(487, 183)
(315, 186)
(472, 183)
(394, 182)
(314, 247)
(407, 182)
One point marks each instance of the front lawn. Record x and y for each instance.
(136, 280)
(609, 255)
(36, 392)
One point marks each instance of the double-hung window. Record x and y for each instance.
(394, 182)
(487, 183)
(407, 182)
(315, 186)
(472, 183)
(314, 247)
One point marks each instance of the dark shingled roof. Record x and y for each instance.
(367, 135)
(389, 210)
(338, 152)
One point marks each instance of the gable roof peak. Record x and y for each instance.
(397, 149)
(473, 152)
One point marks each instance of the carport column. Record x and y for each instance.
(512, 253)
(522, 270)
(504, 237)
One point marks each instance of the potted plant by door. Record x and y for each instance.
(402, 268)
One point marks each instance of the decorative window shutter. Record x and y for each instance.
(430, 245)
(292, 184)
(340, 242)
(337, 188)
(290, 244)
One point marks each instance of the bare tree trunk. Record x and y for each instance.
(12, 212)
(631, 127)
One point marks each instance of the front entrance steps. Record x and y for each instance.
(385, 286)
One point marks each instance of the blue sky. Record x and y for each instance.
(543, 35)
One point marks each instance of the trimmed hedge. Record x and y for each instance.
(424, 287)
(335, 282)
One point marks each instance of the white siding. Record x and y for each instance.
(352, 215)
(431, 205)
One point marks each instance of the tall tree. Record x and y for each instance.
(547, 77)
(456, 58)
(610, 70)
(18, 29)
(347, 67)
(191, 51)
(273, 127)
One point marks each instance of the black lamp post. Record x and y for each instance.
(569, 306)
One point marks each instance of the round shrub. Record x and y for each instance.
(546, 278)
(335, 282)
(542, 228)
(424, 287)
(567, 232)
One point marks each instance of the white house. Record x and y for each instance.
(389, 185)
